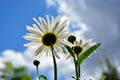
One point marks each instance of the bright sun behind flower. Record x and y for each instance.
(46, 34)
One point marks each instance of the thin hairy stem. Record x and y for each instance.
(76, 69)
(79, 70)
(55, 64)
(38, 72)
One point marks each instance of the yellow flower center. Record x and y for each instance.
(49, 39)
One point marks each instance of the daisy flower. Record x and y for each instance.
(79, 46)
(45, 34)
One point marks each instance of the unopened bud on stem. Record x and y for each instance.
(71, 39)
(36, 63)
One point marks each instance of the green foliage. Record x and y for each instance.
(73, 77)
(87, 53)
(19, 69)
(103, 78)
(112, 73)
(70, 50)
(79, 59)
(22, 77)
(15, 73)
(9, 66)
(43, 77)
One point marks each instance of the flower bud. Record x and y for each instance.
(71, 39)
(36, 63)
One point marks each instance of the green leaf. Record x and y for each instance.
(9, 65)
(103, 77)
(19, 69)
(73, 77)
(3, 76)
(43, 76)
(69, 50)
(87, 53)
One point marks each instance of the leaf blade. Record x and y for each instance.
(69, 50)
(43, 77)
(87, 53)
(103, 77)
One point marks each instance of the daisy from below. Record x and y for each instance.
(79, 46)
(46, 34)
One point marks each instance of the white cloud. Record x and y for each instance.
(26, 59)
(65, 68)
(95, 19)
(100, 23)
(50, 3)
(1, 64)
(15, 57)
(67, 10)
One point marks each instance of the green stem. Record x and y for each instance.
(76, 69)
(38, 72)
(55, 64)
(79, 71)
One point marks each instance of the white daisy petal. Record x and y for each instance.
(61, 27)
(43, 23)
(33, 31)
(31, 38)
(52, 23)
(64, 23)
(77, 43)
(63, 42)
(48, 21)
(38, 28)
(69, 56)
(85, 44)
(38, 23)
(80, 42)
(39, 50)
(32, 35)
(47, 51)
(31, 44)
(64, 35)
(59, 47)
(56, 55)
(90, 41)
(57, 21)
(64, 31)
(29, 28)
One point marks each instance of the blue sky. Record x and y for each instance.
(96, 19)
(14, 16)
